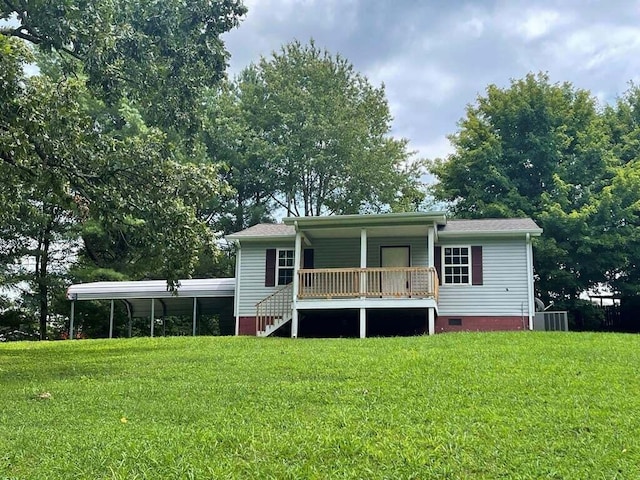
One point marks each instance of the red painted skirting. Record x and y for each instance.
(485, 324)
(247, 326)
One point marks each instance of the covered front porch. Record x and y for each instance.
(355, 262)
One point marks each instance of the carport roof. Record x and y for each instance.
(198, 288)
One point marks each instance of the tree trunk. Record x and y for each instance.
(43, 288)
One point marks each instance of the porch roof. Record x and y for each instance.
(393, 224)
(409, 224)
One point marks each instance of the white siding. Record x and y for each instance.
(328, 253)
(252, 271)
(336, 252)
(504, 289)
(417, 247)
(345, 252)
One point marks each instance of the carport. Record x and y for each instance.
(152, 299)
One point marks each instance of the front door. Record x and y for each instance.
(394, 282)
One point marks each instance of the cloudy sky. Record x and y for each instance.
(437, 56)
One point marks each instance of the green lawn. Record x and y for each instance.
(490, 405)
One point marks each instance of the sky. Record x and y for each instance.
(436, 57)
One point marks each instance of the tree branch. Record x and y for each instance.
(25, 34)
(12, 162)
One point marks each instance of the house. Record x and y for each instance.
(387, 274)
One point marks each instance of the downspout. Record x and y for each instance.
(530, 300)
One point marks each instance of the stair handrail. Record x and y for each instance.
(273, 308)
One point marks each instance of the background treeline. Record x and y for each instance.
(128, 153)
(551, 152)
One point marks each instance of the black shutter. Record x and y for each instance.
(307, 260)
(270, 268)
(437, 261)
(476, 265)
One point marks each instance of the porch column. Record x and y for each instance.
(296, 267)
(363, 281)
(153, 315)
(430, 246)
(111, 321)
(431, 320)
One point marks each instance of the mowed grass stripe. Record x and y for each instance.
(487, 405)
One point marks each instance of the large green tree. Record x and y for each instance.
(618, 209)
(158, 54)
(541, 150)
(101, 148)
(67, 173)
(304, 131)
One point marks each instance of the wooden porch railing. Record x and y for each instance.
(274, 309)
(401, 282)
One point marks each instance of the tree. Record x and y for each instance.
(618, 210)
(541, 150)
(102, 148)
(231, 141)
(157, 54)
(312, 136)
(70, 171)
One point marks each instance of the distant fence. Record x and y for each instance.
(551, 321)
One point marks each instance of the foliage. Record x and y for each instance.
(74, 168)
(541, 150)
(99, 153)
(304, 131)
(498, 405)
(619, 204)
(158, 54)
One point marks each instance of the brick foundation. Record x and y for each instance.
(247, 326)
(483, 324)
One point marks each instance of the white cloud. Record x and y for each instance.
(439, 147)
(412, 79)
(531, 24)
(595, 46)
(473, 27)
(537, 24)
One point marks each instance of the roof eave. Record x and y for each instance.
(490, 233)
(364, 220)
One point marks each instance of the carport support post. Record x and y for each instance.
(153, 314)
(195, 312)
(73, 311)
(111, 321)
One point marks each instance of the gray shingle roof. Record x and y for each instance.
(490, 225)
(266, 230)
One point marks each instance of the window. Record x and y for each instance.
(457, 265)
(284, 270)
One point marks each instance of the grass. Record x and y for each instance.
(472, 406)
